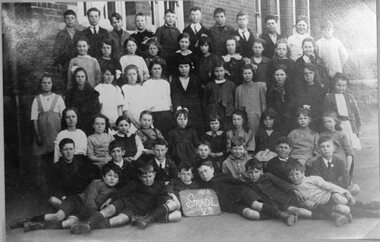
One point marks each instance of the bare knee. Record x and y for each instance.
(339, 199)
(108, 211)
(119, 220)
(250, 214)
(55, 202)
(354, 189)
(257, 206)
(175, 216)
(172, 205)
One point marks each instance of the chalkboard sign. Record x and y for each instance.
(199, 202)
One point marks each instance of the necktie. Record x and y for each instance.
(244, 37)
(94, 30)
(195, 30)
(161, 166)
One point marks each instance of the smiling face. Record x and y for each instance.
(82, 47)
(111, 178)
(280, 77)
(46, 84)
(296, 176)
(238, 151)
(303, 120)
(71, 119)
(301, 27)
(117, 154)
(117, 24)
(93, 18)
(308, 48)
(186, 176)
(283, 150)
(206, 173)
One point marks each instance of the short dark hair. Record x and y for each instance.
(195, 8)
(185, 166)
(69, 12)
(295, 165)
(115, 15)
(206, 163)
(302, 18)
(145, 167)
(206, 40)
(92, 10)
(106, 120)
(121, 118)
(218, 63)
(204, 142)
(127, 40)
(340, 77)
(269, 17)
(160, 141)
(259, 41)
(64, 142)
(241, 13)
(254, 164)
(182, 36)
(284, 140)
(82, 38)
(237, 141)
(139, 14)
(115, 144)
(169, 10)
(110, 166)
(63, 119)
(219, 10)
(325, 138)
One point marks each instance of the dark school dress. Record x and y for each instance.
(182, 144)
(129, 144)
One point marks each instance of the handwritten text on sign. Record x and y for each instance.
(199, 202)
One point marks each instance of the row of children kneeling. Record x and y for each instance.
(144, 192)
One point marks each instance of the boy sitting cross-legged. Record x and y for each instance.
(141, 197)
(80, 206)
(236, 196)
(324, 199)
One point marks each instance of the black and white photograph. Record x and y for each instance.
(193, 120)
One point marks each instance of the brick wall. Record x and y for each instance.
(232, 8)
(286, 17)
(356, 28)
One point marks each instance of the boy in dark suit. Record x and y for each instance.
(141, 35)
(220, 32)
(95, 34)
(270, 36)
(118, 35)
(195, 30)
(244, 36)
(164, 167)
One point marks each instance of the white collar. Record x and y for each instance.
(159, 163)
(120, 164)
(327, 162)
(220, 81)
(283, 159)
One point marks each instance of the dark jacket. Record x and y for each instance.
(168, 172)
(215, 95)
(245, 46)
(269, 47)
(118, 42)
(219, 38)
(194, 37)
(95, 41)
(336, 174)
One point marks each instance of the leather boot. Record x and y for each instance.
(339, 219)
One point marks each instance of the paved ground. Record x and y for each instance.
(21, 202)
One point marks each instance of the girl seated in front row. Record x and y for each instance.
(132, 143)
(148, 134)
(304, 139)
(97, 143)
(240, 123)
